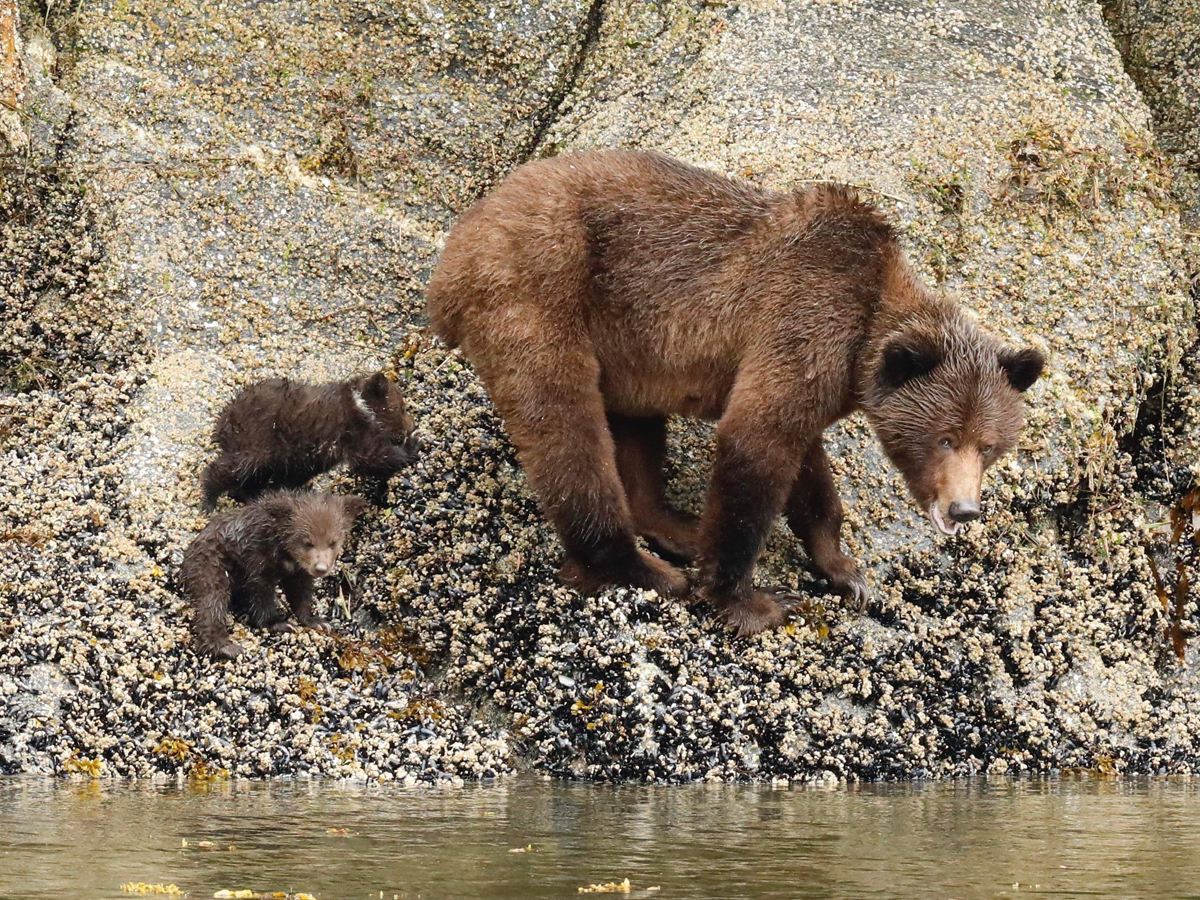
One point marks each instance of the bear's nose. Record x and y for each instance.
(964, 511)
(322, 568)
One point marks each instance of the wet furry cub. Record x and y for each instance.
(281, 433)
(285, 539)
(598, 293)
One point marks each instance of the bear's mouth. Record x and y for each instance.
(950, 528)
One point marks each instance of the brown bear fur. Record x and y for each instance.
(598, 293)
(281, 433)
(284, 539)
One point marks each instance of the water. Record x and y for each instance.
(1069, 838)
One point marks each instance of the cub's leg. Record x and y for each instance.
(209, 589)
(217, 479)
(641, 448)
(549, 397)
(298, 589)
(753, 472)
(385, 461)
(258, 596)
(247, 478)
(814, 513)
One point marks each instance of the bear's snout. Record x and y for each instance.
(963, 511)
(958, 480)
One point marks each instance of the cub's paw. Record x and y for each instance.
(654, 574)
(225, 650)
(575, 574)
(647, 572)
(674, 536)
(281, 627)
(317, 623)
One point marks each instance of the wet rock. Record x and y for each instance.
(1160, 44)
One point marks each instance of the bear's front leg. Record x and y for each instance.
(298, 589)
(258, 596)
(814, 513)
(751, 478)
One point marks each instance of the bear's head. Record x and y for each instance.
(945, 400)
(383, 402)
(315, 528)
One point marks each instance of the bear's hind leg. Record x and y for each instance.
(209, 590)
(641, 449)
(549, 398)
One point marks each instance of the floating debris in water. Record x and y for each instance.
(140, 887)
(613, 887)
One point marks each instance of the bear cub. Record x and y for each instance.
(280, 433)
(284, 539)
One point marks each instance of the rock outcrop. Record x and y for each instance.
(228, 191)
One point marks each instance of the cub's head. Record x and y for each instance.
(315, 528)
(945, 400)
(381, 401)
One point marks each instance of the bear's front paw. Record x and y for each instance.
(281, 627)
(757, 611)
(847, 579)
(317, 623)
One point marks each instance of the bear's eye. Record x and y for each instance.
(946, 444)
(987, 449)
(308, 545)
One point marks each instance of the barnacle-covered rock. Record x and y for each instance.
(246, 190)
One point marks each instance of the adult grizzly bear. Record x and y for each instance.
(598, 293)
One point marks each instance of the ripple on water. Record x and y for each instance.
(972, 839)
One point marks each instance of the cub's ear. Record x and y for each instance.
(1022, 367)
(376, 387)
(279, 505)
(353, 505)
(906, 357)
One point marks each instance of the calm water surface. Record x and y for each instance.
(1122, 839)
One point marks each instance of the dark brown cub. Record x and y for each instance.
(281, 433)
(285, 539)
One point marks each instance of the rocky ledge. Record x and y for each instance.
(199, 194)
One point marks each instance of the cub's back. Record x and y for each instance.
(263, 414)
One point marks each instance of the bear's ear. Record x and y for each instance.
(376, 387)
(1022, 367)
(353, 505)
(906, 357)
(279, 505)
